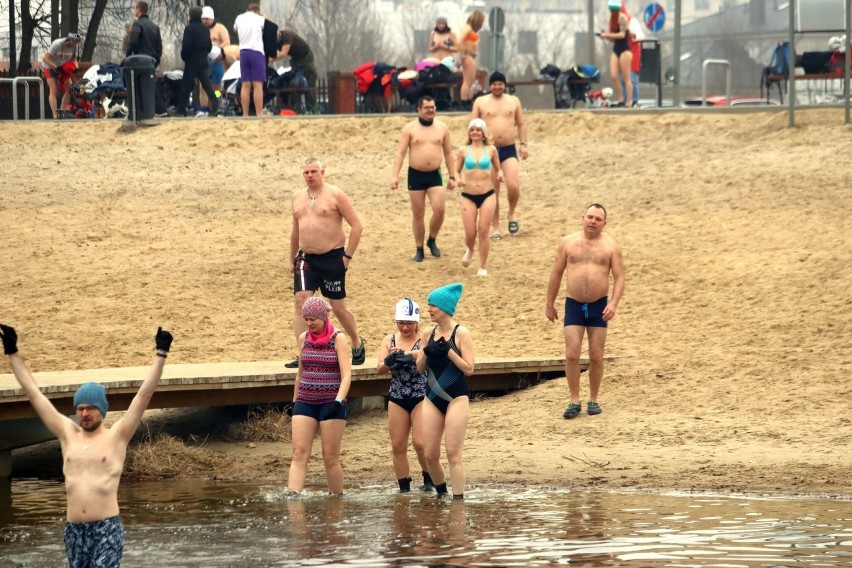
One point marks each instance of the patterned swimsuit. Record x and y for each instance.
(408, 386)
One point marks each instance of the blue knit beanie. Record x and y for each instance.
(446, 297)
(92, 394)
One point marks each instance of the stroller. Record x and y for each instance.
(231, 85)
(573, 86)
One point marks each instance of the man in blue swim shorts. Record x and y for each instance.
(586, 259)
(503, 113)
(92, 454)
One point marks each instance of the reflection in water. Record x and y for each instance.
(218, 525)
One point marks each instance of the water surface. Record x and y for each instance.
(233, 524)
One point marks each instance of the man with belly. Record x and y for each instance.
(587, 257)
(92, 454)
(427, 143)
(319, 253)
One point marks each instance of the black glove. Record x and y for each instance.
(163, 339)
(403, 359)
(390, 360)
(330, 410)
(439, 348)
(10, 339)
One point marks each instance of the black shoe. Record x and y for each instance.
(294, 364)
(359, 354)
(418, 255)
(572, 411)
(433, 248)
(175, 111)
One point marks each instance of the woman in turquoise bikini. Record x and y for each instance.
(474, 163)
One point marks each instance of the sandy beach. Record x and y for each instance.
(731, 344)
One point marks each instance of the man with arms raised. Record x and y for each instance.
(427, 142)
(502, 113)
(92, 455)
(319, 254)
(588, 257)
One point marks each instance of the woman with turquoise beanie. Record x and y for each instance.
(448, 358)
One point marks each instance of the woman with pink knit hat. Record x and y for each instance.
(322, 384)
(448, 358)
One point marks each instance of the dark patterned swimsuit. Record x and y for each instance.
(408, 386)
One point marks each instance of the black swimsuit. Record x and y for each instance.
(446, 381)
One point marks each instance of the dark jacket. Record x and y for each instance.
(196, 43)
(145, 39)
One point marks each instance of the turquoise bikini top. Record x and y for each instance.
(484, 163)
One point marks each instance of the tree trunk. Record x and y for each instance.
(92, 32)
(54, 19)
(28, 25)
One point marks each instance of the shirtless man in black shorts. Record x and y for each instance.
(319, 254)
(588, 257)
(427, 142)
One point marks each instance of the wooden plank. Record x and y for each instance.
(213, 384)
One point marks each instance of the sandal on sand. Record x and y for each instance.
(514, 227)
(468, 256)
(572, 411)
(593, 408)
(496, 235)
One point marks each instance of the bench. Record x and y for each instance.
(781, 82)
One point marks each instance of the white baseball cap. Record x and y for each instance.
(207, 13)
(407, 310)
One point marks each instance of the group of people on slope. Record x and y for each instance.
(429, 393)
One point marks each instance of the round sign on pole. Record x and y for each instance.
(654, 17)
(496, 20)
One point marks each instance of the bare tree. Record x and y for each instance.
(29, 24)
(342, 34)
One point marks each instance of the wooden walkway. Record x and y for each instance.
(217, 384)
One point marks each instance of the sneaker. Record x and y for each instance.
(572, 411)
(175, 111)
(468, 256)
(359, 354)
(294, 364)
(201, 114)
(433, 248)
(482, 272)
(418, 255)
(593, 408)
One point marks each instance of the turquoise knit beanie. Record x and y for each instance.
(92, 394)
(446, 297)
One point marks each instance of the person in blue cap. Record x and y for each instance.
(92, 454)
(448, 358)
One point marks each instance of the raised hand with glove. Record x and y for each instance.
(10, 339)
(437, 348)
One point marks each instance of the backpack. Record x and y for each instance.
(436, 74)
(780, 62)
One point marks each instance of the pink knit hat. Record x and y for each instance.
(316, 308)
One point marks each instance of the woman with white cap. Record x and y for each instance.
(407, 389)
(322, 385)
(474, 162)
(448, 358)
